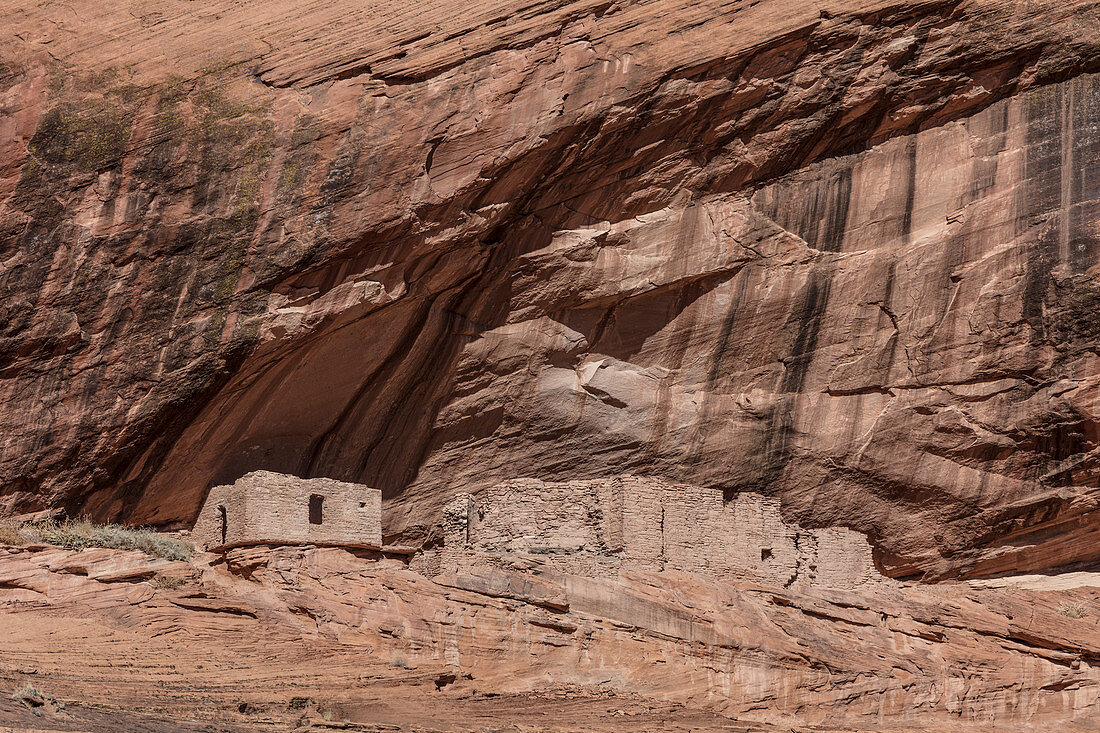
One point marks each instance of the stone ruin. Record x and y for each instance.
(600, 527)
(273, 508)
(595, 528)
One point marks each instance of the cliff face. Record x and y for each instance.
(838, 253)
(357, 644)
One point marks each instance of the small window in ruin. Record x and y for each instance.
(362, 505)
(316, 507)
(765, 553)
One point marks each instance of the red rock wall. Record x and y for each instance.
(366, 639)
(567, 242)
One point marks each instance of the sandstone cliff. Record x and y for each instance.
(353, 643)
(841, 253)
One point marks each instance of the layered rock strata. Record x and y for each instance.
(372, 643)
(430, 250)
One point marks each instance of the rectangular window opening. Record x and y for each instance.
(316, 508)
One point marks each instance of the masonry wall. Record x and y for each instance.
(637, 523)
(271, 508)
(573, 526)
(207, 532)
(642, 522)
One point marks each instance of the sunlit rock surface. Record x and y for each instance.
(428, 249)
(368, 644)
(837, 260)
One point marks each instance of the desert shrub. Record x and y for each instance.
(11, 534)
(29, 696)
(80, 533)
(168, 582)
(1073, 610)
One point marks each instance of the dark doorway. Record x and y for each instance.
(225, 523)
(316, 507)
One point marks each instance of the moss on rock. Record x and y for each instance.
(87, 136)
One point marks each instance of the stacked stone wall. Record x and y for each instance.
(636, 523)
(271, 508)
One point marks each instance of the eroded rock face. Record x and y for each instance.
(371, 642)
(570, 242)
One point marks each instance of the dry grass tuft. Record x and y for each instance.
(168, 582)
(80, 533)
(11, 534)
(29, 696)
(1073, 610)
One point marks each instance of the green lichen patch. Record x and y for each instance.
(169, 118)
(81, 277)
(212, 332)
(298, 162)
(86, 136)
(127, 93)
(236, 144)
(59, 79)
(35, 196)
(228, 273)
(307, 130)
(236, 141)
(100, 79)
(66, 82)
(198, 141)
(291, 177)
(215, 106)
(224, 243)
